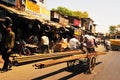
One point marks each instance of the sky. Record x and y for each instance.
(104, 12)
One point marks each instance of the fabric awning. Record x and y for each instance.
(57, 25)
(27, 15)
(22, 13)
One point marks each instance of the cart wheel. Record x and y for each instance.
(92, 63)
(70, 64)
(27, 51)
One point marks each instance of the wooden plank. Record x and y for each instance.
(65, 59)
(57, 61)
(47, 56)
(74, 52)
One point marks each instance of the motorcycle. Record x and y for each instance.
(107, 45)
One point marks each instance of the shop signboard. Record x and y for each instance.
(76, 22)
(37, 8)
(44, 12)
(32, 7)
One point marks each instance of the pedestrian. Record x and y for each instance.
(44, 43)
(107, 45)
(8, 44)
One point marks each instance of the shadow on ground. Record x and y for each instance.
(77, 69)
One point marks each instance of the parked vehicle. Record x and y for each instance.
(115, 43)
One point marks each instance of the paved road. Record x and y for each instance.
(110, 68)
(107, 68)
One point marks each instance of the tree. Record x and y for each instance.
(85, 15)
(67, 12)
(118, 29)
(112, 29)
(63, 11)
(77, 13)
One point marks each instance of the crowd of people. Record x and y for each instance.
(86, 42)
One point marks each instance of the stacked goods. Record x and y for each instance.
(60, 47)
(40, 57)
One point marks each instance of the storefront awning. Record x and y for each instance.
(22, 13)
(27, 15)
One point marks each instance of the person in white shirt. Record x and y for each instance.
(74, 43)
(107, 45)
(45, 44)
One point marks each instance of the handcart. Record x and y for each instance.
(88, 58)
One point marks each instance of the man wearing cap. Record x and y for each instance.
(8, 44)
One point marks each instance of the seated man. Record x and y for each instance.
(74, 43)
(90, 43)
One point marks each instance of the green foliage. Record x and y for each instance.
(67, 12)
(118, 25)
(85, 15)
(112, 29)
(63, 11)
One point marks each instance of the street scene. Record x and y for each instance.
(42, 41)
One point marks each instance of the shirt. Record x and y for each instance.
(10, 40)
(74, 44)
(89, 40)
(45, 40)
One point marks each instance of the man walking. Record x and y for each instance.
(8, 44)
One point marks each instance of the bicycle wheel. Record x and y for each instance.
(27, 51)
